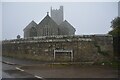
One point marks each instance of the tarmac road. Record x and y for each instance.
(13, 71)
(16, 68)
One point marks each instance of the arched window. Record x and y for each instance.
(33, 32)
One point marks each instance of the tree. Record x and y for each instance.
(18, 36)
(115, 25)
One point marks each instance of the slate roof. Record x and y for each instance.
(67, 25)
(31, 24)
(47, 21)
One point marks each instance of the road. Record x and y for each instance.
(16, 68)
(10, 69)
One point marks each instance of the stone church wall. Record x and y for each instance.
(86, 48)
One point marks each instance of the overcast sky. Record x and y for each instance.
(86, 17)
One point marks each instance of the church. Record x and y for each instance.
(54, 25)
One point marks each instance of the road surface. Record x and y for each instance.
(10, 69)
(16, 68)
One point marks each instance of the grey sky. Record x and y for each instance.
(86, 17)
(0, 21)
(119, 8)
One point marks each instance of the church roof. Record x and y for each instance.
(67, 24)
(31, 24)
(47, 21)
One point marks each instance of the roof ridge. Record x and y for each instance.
(46, 19)
(32, 22)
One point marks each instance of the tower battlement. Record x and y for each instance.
(57, 15)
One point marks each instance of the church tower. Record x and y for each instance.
(57, 15)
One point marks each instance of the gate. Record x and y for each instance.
(63, 55)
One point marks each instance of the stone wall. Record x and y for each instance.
(86, 48)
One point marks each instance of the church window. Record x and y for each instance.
(33, 32)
